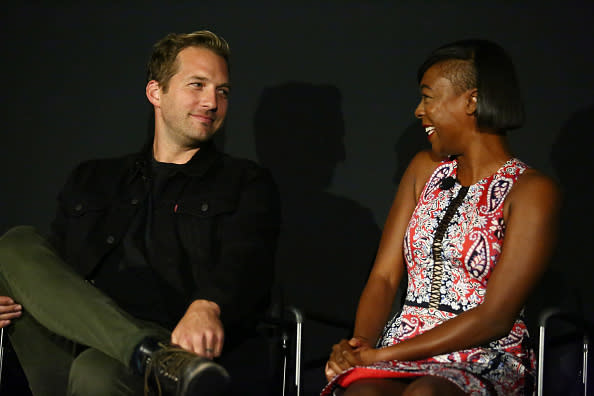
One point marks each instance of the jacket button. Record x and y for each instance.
(78, 207)
(110, 239)
(204, 207)
(134, 201)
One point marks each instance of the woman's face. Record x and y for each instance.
(446, 114)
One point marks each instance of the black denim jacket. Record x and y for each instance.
(214, 234)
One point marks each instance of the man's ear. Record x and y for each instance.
(153, 92)
(472, 102)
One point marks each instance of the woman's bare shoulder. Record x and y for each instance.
(534, 181)
(420, 169)
(423, 164)
(536, 189)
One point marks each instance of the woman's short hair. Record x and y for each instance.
(485, 66)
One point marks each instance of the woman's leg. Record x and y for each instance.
(423, 386)
(376, 387)
(433, 386)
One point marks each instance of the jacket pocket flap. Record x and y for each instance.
(80, 207)
(205, 207)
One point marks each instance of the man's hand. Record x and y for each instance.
(200, 330)
(8, 310)
(347, 354)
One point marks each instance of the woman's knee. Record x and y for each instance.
(375, 387)
(94, 373)
(433, 386)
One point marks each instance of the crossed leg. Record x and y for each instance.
(61, 310)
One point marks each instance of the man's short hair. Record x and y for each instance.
(163, 61)
(483, 65)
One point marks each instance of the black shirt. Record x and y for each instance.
(126, 275)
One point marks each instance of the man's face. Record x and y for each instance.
(195, 104)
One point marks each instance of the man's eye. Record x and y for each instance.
(223, 92)
(197, 84)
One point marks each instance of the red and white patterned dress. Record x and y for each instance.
(450, 276)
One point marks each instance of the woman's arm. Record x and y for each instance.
(530, 212)
(378, 295)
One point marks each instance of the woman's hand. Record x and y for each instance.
(8, 310)
(349, 353)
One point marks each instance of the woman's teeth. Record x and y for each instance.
(429, 130)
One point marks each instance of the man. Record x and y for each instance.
(157, 262)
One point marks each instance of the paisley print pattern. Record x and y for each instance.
(476, 260)
(470, 249)
(440, 174)
(497, 193)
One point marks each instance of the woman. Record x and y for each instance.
(474, 231)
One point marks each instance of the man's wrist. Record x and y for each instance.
(206, 305)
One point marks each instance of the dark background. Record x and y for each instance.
(323, 95)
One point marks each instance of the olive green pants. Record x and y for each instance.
(62, 315)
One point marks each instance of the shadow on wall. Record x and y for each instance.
(571, 158)
(327, 242)
(567, 284)
(412, 140)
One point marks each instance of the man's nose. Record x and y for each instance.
(209, 98)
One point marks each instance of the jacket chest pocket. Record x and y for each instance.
(82, 208)
(200, 224)
(205, 207)
(82, 216)
(94, 227)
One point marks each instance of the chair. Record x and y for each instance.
(284, 327)
(297, 318)
(1, 352)
(571, 330)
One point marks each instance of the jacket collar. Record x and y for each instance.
(197, 166)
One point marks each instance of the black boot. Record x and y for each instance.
(171, 370)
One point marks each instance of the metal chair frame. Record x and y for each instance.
(297, 319)
(581, 325)
(1, 352)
